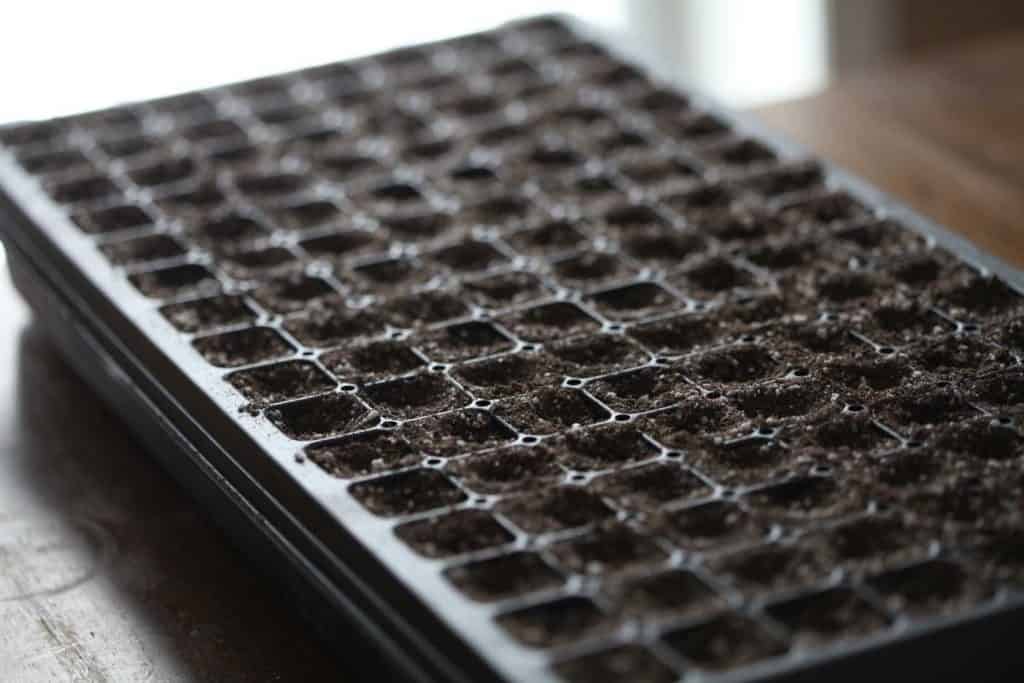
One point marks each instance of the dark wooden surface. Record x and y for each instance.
(945, 134)
(108, 572)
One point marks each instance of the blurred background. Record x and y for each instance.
(63, 57)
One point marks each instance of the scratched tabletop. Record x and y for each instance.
(109, 572)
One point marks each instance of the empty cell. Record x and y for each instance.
(423, 308)
(507, 469)
(558, 319)
(935, 587)
(318, 417)
(252, 345)
(414, 395)
(372, 360)
(726, 642)
(555, 509)
(457, 432)
(462, 342)
(206, 314)
(392, 195)
(508, 374)
(773, 567)
(649, 486)
(602, 447)
(294, 293)
(646, 388)
(280, 381)
(504, 577)
(406, 493)
(676, 593)
(174, 281)
(504, 289)
(165, 172)
(865, 373)
(363, 453)
(550, 410)
(609, 549)
(676, 335)
(632, 301)
(824, 617)
(86, 189)
(189, 105)
(712, 525)
(597, 354)
(899, 320)
(326, 327)
(559, 622)
(464, 531)
(142, 249)
(308, 215)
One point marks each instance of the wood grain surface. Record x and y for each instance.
(944, 134)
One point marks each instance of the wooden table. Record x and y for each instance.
(109, 572)
(945, 135)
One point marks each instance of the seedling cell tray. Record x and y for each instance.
(517, 364)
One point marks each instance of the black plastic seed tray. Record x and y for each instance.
(531, 368)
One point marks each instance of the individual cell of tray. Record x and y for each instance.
(363, 453)
(142, 249)
(457, 533)
(319, 417)
(507, 576)
(458, 432)
(406, 493)
(175, 281)
(560, 622)
(201, 315)
(280, 381)
(414, 395)
(251, 345)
